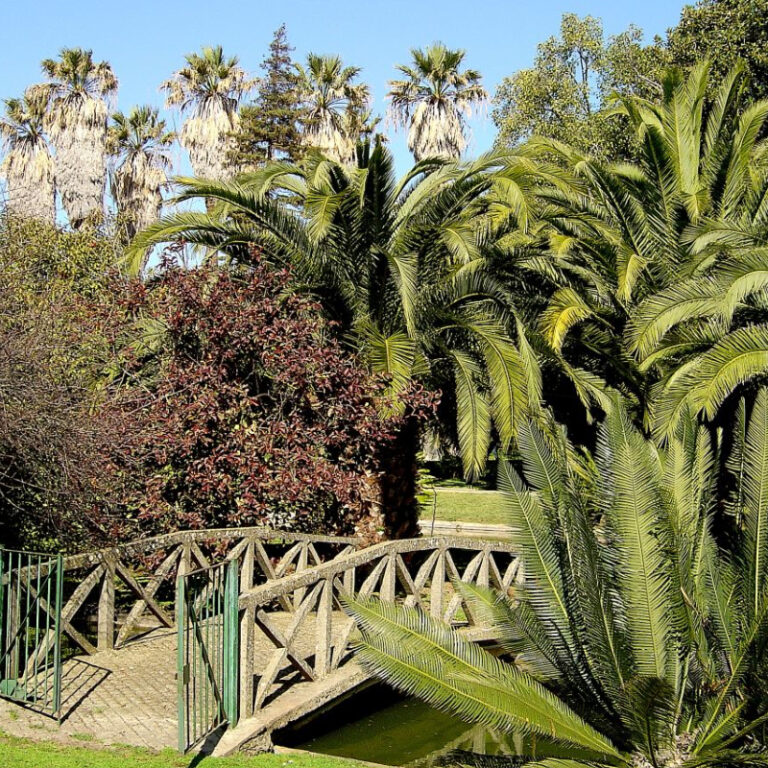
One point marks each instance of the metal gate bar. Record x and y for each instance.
(31, 587)
(208, 660)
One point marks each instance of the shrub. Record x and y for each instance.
(246, 411)
(50, 356)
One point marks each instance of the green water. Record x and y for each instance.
(397, 734)
(377, 726)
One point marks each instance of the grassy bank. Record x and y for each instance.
(464, 504)
(22, 753)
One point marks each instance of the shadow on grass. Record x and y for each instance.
(207, 747)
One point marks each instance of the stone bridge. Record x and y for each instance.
(120, 676)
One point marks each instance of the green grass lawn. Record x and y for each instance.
(464, 504)
(22, 753)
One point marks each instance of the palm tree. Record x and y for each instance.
(399, 266)
(28, 165)
(636, 639)
(140, 143)
(337, 114)
(706, 330)
(76, 123)
(209, 88)
(434, 99)
(633, 254)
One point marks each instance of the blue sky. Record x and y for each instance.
(145, 41)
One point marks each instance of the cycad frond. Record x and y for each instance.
(423, 657)
(473, 414)
(631, 474)
(631, 611)
(755, 504)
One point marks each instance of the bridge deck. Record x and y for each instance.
(289, 591)
(125, 696)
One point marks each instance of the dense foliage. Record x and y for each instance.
(726, 33)
(245, 411)
(656, 266)
(51, 346)
(400, 265)
(638, 637)
(568, 93)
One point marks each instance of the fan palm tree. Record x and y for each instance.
(399, 266)
(434, 99)
(208, 89)
(76, 123)
(636, 639)
(140, 143)
(629, 250)
(337, 114)
(28, 166)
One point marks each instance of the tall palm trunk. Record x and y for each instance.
(76, 124)
(209, 142)
(434, 99)
(436, 131)
(28, 165)
(331, 141)
(142, 202)
(79, 135)
(398, 483)
(30, 185)
(210, 87)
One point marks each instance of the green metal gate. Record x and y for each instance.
(30, 634)
(208, 657)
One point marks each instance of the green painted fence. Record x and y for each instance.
(31, 587)
(208, 658)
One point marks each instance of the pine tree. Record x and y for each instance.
(271, 126)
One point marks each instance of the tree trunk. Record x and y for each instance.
(398, 483)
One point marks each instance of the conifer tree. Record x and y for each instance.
(271, 127)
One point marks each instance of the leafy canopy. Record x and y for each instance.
(399, 264)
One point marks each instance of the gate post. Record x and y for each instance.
(181, 670)
(247, 632)
(106, 612)
(231, 636)
(57, 643)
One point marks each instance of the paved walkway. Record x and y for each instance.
(113, 697)
(126, 696)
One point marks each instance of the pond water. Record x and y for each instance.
(378, 726)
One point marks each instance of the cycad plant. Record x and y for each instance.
(208, 90)
(27, 166)
(638, 636)
(76, 123)
(434, 100)
(141, 145)
(399, 265)
(337, 113)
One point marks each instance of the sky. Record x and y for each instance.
(146, 41)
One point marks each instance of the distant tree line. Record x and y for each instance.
(569, 92)
(455, 302)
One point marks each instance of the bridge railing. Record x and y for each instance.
(301, 617)
(131, 588)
